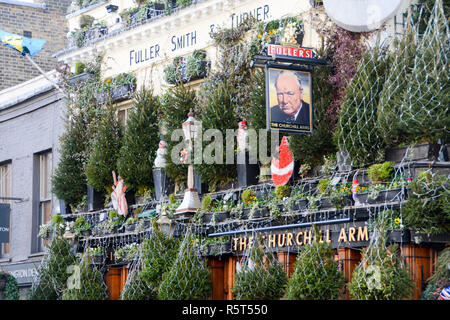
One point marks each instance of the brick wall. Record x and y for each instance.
(49, 24)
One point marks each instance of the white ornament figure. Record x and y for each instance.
(242, 136)
(118, 199)
(160, 160)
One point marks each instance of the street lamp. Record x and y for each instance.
(191, 201)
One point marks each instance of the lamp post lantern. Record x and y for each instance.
(191, 201)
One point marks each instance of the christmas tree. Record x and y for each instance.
(140, 141)
(188, 278)
(105, 150)
(316, 275)
(261, 276)
(381, 275)
(52, 274)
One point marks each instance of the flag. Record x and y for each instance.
(22, 44)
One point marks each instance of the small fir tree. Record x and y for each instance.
(381, 275)
(356, 130)
(92, 285)
(158, 255)
(52, 274)
(316, 275)
(105, 149)
(140, 141)
(261, 276)
(189, 278)
(217, 113)
(175, 106)
(136, 288)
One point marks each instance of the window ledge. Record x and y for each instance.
(38, 254)
(2, 260)
(25, 4)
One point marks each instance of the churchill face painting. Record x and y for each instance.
(289, 100)
(289, 93)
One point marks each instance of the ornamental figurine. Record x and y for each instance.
(160, 160)
(445, 294)
(118, 199)
(242, 136)
(283, 167)
(355, 189)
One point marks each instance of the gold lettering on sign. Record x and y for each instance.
(272, 240)
(363, 234)
(351, 234)
(342, 236)
(235, 243)
(250, 242)
(281, 243)
(243, 244)
(289, 239)
(328, 236)
(298, 237)
(307, 238)
(321, 236)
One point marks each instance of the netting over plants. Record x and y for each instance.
(261, 276)
(398, 96)
(316, 275)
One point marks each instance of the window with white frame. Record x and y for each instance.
(45, 196)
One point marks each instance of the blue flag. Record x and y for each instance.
(22, 44)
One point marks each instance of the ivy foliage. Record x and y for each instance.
(140, 141)
(261, 277)
(11, 290)
(105, 149)
(316, 275)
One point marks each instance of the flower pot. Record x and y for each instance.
(130, 227)
(299, 34)
(122, 92)
(388, 195)
(248, 174)
(97, 259)
(201, 186)
(424, 151)
(300, 205)
(79, 78)
(86, 233)
(96, 199)
(162, 183)
(399, 236)
(95, 33)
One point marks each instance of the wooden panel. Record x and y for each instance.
(123, 278)
(288, 260)
(113, 281)
(420, 263)
(348, 260)
(230, 269)
(217, 268)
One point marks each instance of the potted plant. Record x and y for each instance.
(130, 224)
(97, 255)
(117, 89)
(422, 151)
(113, 223)
(82, 228)
(187, 69)
(382, 189)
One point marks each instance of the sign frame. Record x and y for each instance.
(5, 222)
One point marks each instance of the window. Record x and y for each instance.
(5, 191)
(123, 112)
(45, 197)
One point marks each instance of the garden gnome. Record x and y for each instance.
(118, 199)
(283, 167)
(160, 160)
(355, 188)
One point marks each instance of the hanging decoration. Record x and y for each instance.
(282, 167)
(118, 199)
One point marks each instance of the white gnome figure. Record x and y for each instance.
(160, 160)
(242, 136)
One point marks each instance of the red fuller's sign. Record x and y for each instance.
(278, 50)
